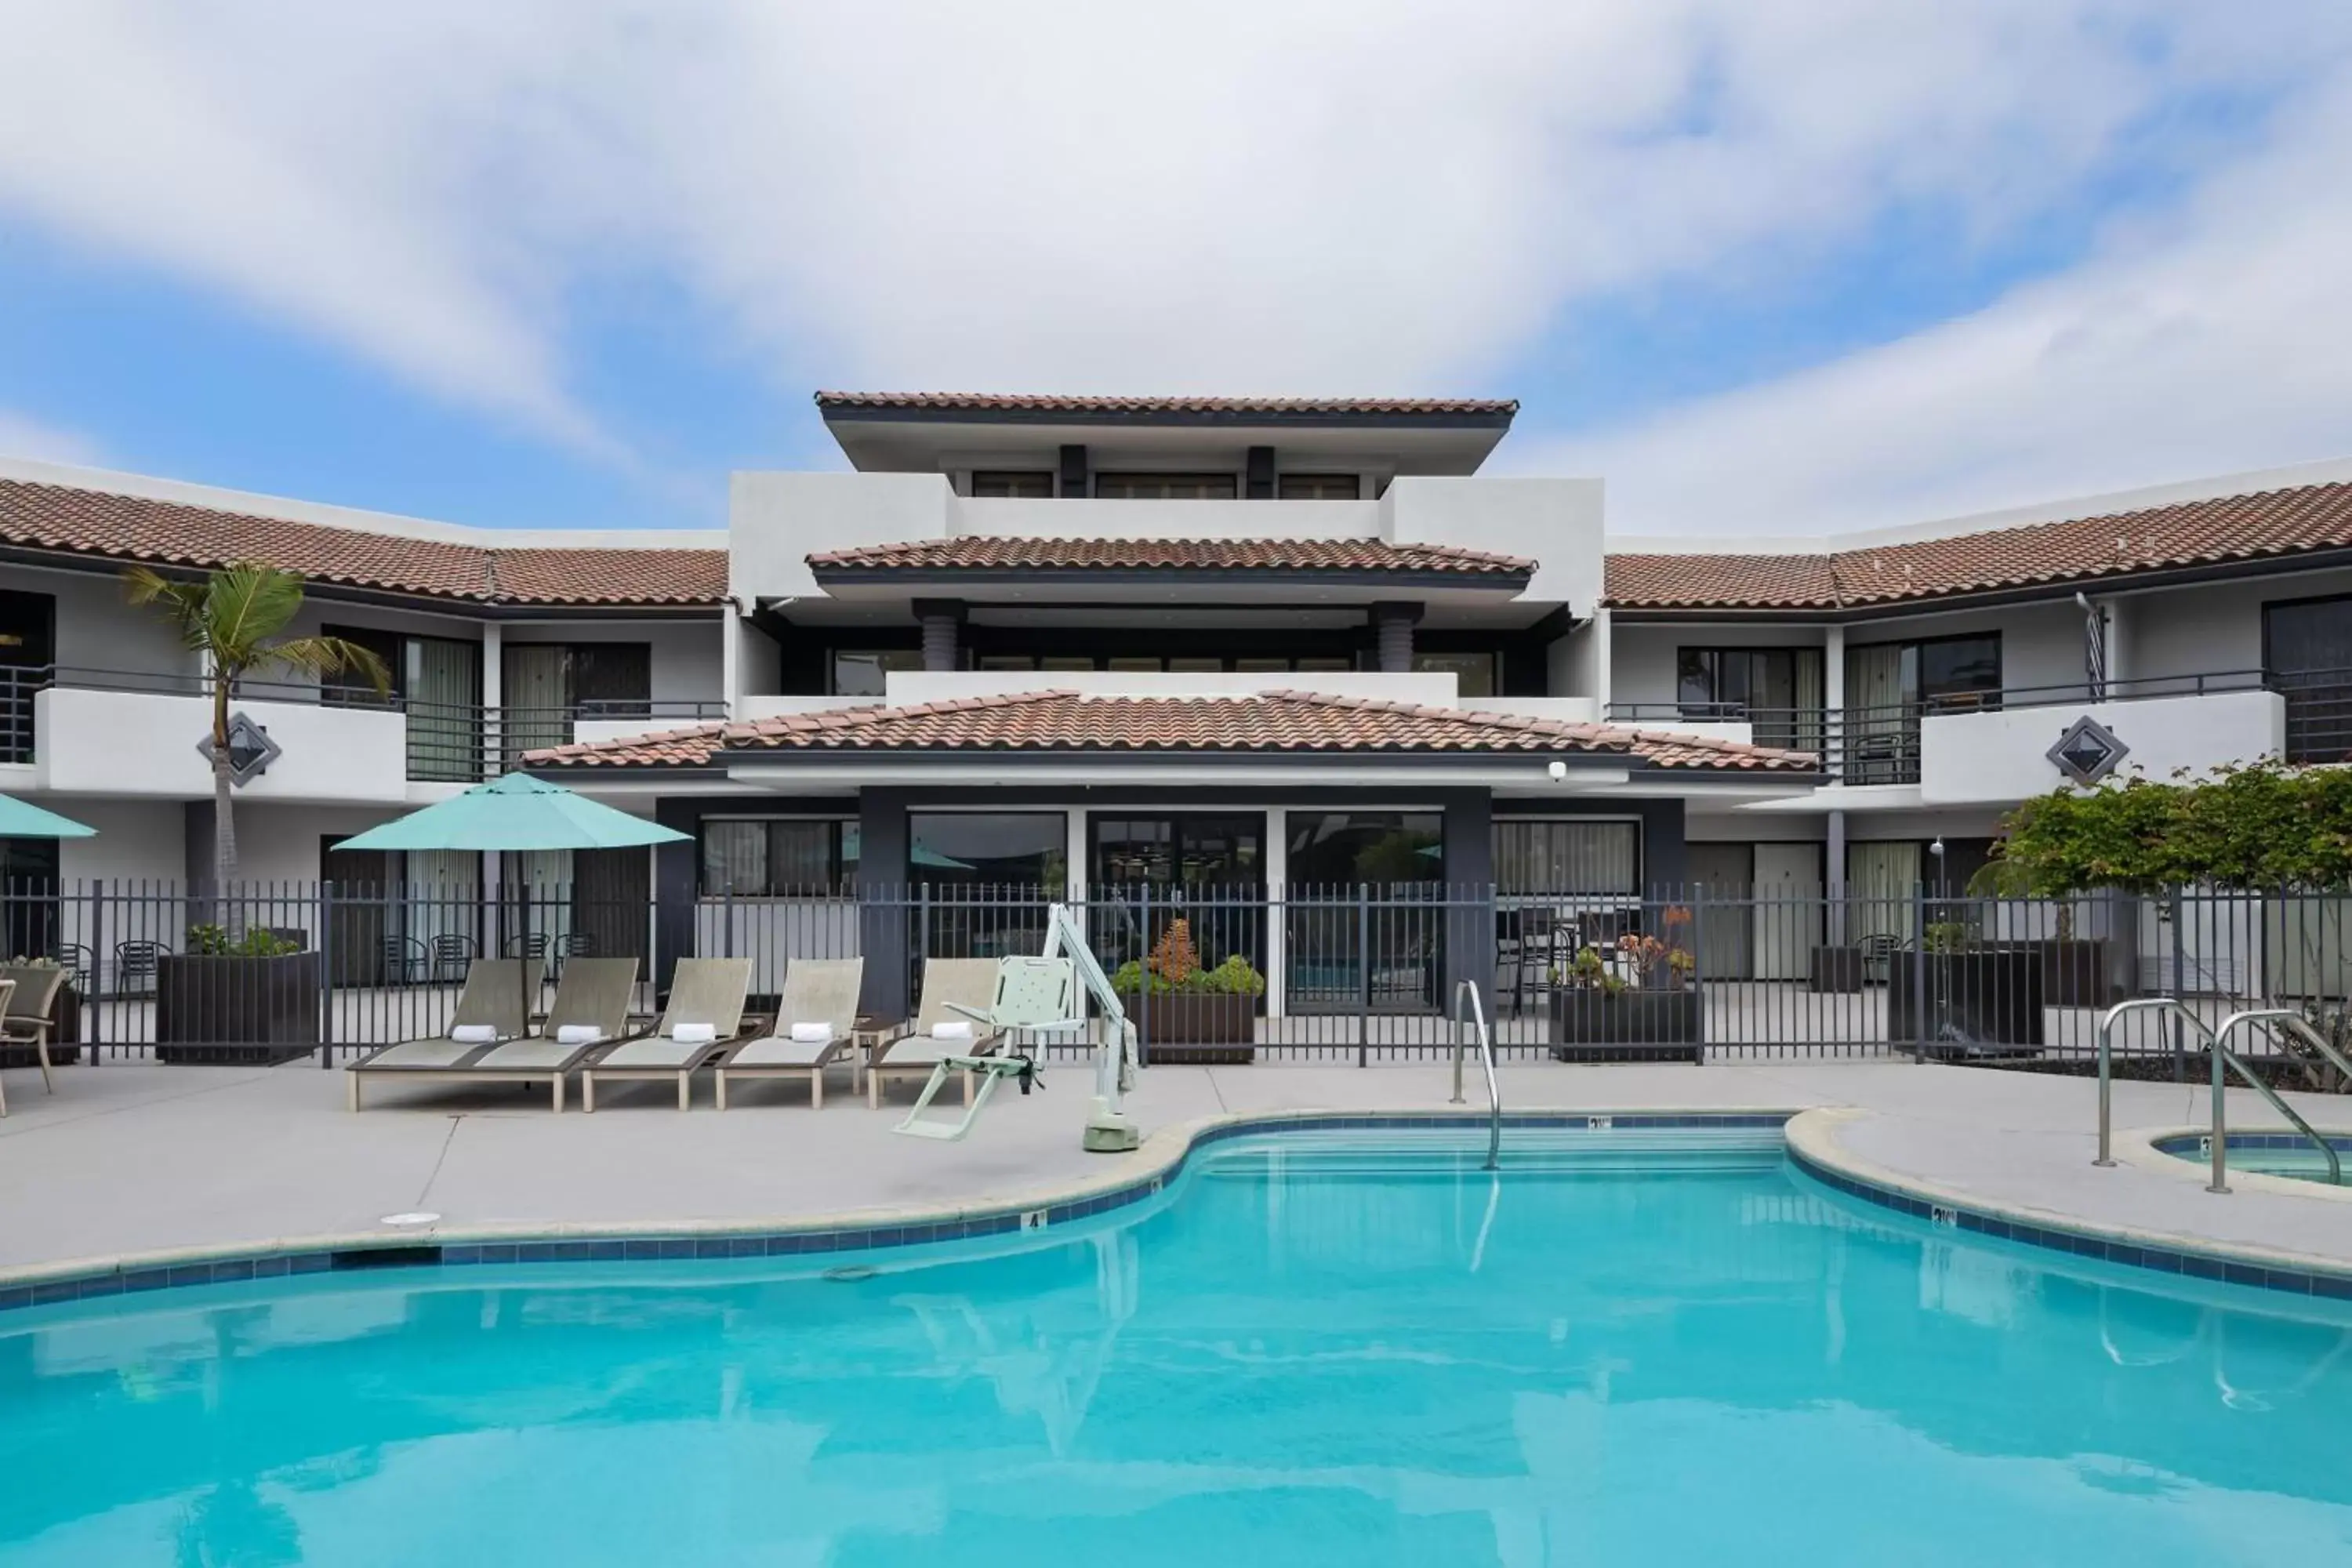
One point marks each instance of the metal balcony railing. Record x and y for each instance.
(446, 742)
(1880, 745)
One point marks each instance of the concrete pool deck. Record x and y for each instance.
(129, 1160)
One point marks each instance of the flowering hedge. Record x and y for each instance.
(2264, 825)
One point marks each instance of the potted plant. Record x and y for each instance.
(32, 975)
(1184, 1012)
(1977, 994)
(1632, 1002)
(243, 999)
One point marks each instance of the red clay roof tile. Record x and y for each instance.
(1061, 721)
(2265, 524)
(991, 402)
(134, 528)
(976, 553)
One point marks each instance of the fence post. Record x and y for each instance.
(1699, 963)
(95, 1010)
(1919, 973)
(1364, 975)
(2180, 1034)
(325, 907)
(1143, 991)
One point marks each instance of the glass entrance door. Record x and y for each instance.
(1149, 870)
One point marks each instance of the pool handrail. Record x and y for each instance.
(2107, 1032)
(1468, 991)
(2296, 1024)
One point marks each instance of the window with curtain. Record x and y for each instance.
(1880, 879)
(2307, 658)
(777, 858)
(1166, 487)
(1320, 487)
(1889, 684)
(443, 687)
(1024, 484)
(988, 848)
(534, 699)
(1570, 855)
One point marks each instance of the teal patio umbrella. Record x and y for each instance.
(517, 812)
(19, 819)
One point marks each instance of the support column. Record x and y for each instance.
(885, 908)
(1468, 840)
(494, 675)
(1833, 702)
(1257, 479)
(1277, 913)
(730, 657)
(1834, 874)
(1392, 624)
(2120, 668)
(1602, 634)
(1072, 470)
(940, 619)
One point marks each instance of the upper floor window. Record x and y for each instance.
(1320, 487)
(1166, 487)
(2307, 655)
(1012, 484)
(1474, 673)
(1933, 673)
(863, 672)
(1733, 683)
(774, 858)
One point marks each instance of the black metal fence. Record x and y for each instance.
(1353, 973)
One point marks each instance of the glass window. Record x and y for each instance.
(771, 858)
(1567, 857)
(1135, 666)
(988, 848)
(1065, 661)
(1744, 682)
(2307, 657)
(1262, 666)
(860, 672)
(1022, 484)
(1320, 487)
(1196, 666)
(1166, 487)
(1474, 673)
(1007, 661)
(1379, 847)
(1325, 665)
(1953, 668)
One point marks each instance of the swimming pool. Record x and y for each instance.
(1631, 1348)
(2268, 1154)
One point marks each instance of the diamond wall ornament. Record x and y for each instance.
(2088, 751)
(250, 749)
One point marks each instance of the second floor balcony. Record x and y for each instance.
(123, 732)
(1992, 745)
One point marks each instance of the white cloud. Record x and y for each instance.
(21, 435)
(1321, 196)
(2217, 341)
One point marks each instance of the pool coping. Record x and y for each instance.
(1809, 1136)
(1813, 1148)
(1127, 1180)
(2147, 1151)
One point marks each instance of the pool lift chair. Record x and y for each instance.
(1041, 996)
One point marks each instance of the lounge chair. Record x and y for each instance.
(954, 990)
(8, 994)
(24, 1015)
(590, 1012)
(706, 1005)
(820, 994)
(492, 1000)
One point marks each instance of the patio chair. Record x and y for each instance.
(24, 1015)
(589, 1015)
(404, 960)
(80, 964)
(452, 952)
(136, 961)
(489, 1009)
(954, 991)
(7, 999)
(816, 1021)
(703, 1019)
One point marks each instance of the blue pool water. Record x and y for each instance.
(1304, 1354)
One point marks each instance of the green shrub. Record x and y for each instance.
(1233, 978)
(213, 941)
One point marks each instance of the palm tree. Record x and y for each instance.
(231, 617)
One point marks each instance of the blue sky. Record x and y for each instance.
(1840, 264)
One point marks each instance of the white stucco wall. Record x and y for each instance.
(142, 743)
(1554, 523)
(1641, 659)
(2212, 628)
(776, 521)
(98, 628)
(685, 655)
(2003, 756)
(136, 841)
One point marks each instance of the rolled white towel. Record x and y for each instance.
(578, 1035)
(694, 1034)
(811, 1034)
(953, 1029)
(475, 1034)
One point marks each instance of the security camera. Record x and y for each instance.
(1559, 771)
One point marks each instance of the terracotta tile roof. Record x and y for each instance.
(975, 553)
(986, 402)
(1289, 721)
(134, 528)
(2264, 524)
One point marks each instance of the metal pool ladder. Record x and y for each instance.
(1467, 992)
(2217, 1040)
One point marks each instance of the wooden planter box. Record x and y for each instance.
(2075, 975)
(1631, 1026)
(241, 1011)
(1980, 1003)
(1194, 1028)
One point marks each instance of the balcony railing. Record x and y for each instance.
(446, 742)
(1880, 745)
